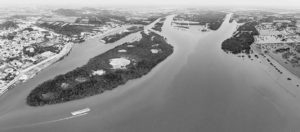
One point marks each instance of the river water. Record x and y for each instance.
(198, 88)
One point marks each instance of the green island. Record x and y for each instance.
(8, 24)
(115, 37)
(104, 72)
(241, 41)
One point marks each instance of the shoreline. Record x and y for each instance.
(285, 71)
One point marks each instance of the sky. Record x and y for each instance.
(291, 3)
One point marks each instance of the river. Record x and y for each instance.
(198, 88)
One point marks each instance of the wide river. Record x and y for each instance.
(198, 88)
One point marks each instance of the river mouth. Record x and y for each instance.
(199, 88)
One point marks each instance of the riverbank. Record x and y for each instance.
(277, 67)
(295, 69)
(33, 70)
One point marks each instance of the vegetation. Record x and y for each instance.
(91, 20)
(8, 24)
(139, 22)
(297, 48)
(281, 50)
(241, 16)
(102, 16)
(242, 40)
(158, 25)
(67, 12)
(9, 36)
(68, 30)
(212, 18)
(148, 19)
(28, 29)
(23, 16)
(115, 37)
(81, 82)
(97, 17)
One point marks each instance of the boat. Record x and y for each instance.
(78, 112)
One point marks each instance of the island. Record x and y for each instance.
(104, 72)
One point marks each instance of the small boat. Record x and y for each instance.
(78, 112)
